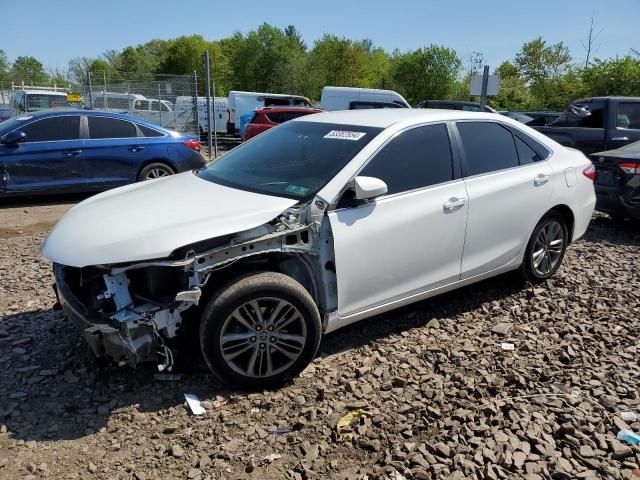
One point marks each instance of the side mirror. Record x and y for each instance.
(14, 138)
(368, 188)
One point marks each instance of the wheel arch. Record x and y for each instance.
(565, 212)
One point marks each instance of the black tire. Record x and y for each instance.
(268, 290)
(528, 270)
(155, 170)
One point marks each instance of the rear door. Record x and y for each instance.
(509, 186)
(51, 158)
(114, 151)
(409, 240)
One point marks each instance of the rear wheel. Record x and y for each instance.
(155, 170)
(260, 331)
(546, 249)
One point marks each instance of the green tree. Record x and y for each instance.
(426, 73)
(617, 76)
(4, 67)
(28, 70)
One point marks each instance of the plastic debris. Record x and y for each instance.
(280, 431)
(272, 457)
(507, 346)
(194, 404)
(342, 428)
(628, 436)
(220, 401)
(628, 416)
(168, 377)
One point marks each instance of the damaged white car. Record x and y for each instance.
(315, 224)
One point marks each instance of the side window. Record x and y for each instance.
(165, 108)
(277, 102)
(55, 128)
(104, 127)
(628, 116)
(526, 154)
(141, 105)
(416, 158)
(276, 117)
(149, 132)
(487, 146)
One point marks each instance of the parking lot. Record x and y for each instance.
(435, 389)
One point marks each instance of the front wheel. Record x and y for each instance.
(546, 249)
(259, 331)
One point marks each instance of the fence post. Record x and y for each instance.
(90, 92)
(195, 103)
(207, 90)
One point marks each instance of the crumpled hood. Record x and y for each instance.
(151, 219)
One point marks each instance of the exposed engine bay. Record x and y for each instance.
(130, 312)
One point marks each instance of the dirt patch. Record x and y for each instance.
(442, 398)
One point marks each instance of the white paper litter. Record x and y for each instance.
(194, 404)
(507, 346)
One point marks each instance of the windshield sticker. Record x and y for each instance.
(24, 118)
(296, 190)
(345, 135)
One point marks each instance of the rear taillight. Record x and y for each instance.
(590, 172)
(630, 167)
(194, 144)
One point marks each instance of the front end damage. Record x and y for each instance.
(130, 313)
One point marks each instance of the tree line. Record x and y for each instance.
(271, 59)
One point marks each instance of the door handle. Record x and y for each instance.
(72, 153)
(136, 148)
(454, 203)
(620, 139)
(540, 179)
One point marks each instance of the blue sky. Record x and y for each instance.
(64, 29)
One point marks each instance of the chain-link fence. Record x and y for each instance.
(167, 100)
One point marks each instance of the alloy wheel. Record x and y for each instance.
(157, 173)
(263, 337)
(548, 247)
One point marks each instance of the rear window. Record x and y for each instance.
(581, 114)
(105, 127)
(488, 147)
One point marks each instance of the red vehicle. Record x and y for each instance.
(269, 117)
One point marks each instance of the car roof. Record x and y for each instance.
(288, 109)
(385, 117)
(53, 112)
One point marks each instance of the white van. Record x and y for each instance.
(150, 109)
(184, 113)
(33, 100)
(242, 104)
(348, 98)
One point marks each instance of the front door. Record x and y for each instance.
(409, 240)
(51, 157)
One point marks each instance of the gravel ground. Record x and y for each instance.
(437, 395)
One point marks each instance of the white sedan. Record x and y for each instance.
(323, 221)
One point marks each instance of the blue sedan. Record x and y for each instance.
(60, 151)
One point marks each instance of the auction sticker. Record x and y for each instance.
(345, 135)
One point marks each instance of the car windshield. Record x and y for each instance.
(294, 160)
(40, 101)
